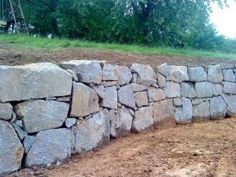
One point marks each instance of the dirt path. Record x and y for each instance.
(205, 149)
(10, 55)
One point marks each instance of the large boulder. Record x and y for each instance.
(218, 108)
(172, 90)
(163, 113)
(126, 96)
(84, 101)
(41, 115)
(11, 149)
(201, 111)
(50, 146)
(88, 71)
(187, 90)
(121, 122)
(143, 119)
(229, 88)
(204, 89)
(39, 80)
(184, 114)
(6, 111)
(124, 75)
(110, 98)
(109, 73)
(197, 74)
(92, 132)
(229, 75)
(141, 99)
(146, 74)
(215, 74)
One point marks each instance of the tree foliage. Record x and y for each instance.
(174, 23)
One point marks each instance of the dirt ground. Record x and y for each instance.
(10, 55)
(206, 149)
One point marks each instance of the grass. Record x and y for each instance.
(38, 43)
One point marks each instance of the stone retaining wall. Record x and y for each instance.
(48, 113)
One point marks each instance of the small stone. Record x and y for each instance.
(6, 111)
(138, 87)
(141, 99)
(161, 80)
(84, 101)
(217, 108)
(187, 90)
(110, 83)
(172, 90)
(197, 101)
(184, 114)
(145, 73)
(126, 96)
(92, 132)
(204, 89)
(197, 74)
(21, 133)
(70, 122)
(229, 87)
(215, 74)
(73, 74)
(110, 98)
(88, 71)
(229, 75)
(121, 122)
(100, 90)
(65, 99)
(50, 146)
(109, 73)
(28, 142)
(155, 94)
(143, 119)
(124, 75)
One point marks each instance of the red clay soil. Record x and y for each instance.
(12, 56)
(206, 149)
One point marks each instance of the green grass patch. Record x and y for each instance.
(38, 43)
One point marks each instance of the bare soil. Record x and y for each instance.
(206, 149)
(10, 55)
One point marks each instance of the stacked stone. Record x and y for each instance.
(48, 112)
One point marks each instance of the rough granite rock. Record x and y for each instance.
(155, 94)
(218, 108)
(146, 75)
(217, 89)
(88, 71)
(109, 73)
(110, 98)
(143, 119)
(231, 107)
(6, 111)
(41, 115)
(100, 90)
(138, 87)
(92, 132)
(201, 111)
(184, 114)
(50, 146)
(84, 101)
(187, 90)
(70, 122)
(229, 75)
(141, 99)
(28, 142)
(32, 81)
(19, 131)
(161, 80)
(197, 74)
(11, 149)
(215, 74)
(124, 75)
(177, 102)
(121, 122)
(163, 69)
(204, 89)
(163, 112)
(172, 90)
(229, 87)
(177, 74)
(126, 96)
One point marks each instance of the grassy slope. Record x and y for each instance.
(36, 43)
